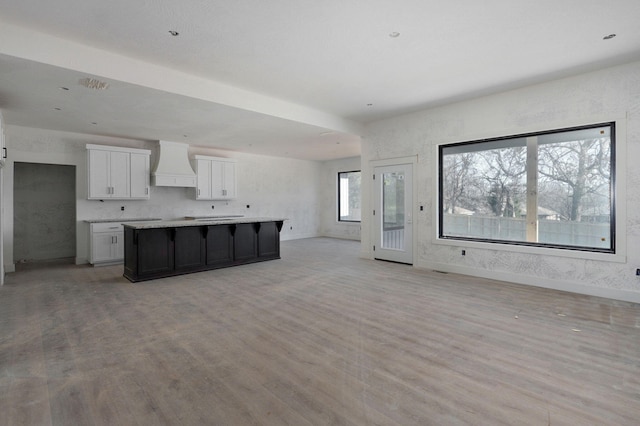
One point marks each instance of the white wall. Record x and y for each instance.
(271, 186)
(610, 94)
(329, 225)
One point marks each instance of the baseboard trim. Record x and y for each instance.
(562, 285)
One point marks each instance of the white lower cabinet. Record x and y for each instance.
(106, 243)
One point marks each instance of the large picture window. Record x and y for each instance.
(349, 209)
(551, 189)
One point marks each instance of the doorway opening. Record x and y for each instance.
(44, 214)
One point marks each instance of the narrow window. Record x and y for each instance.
(551, 189)
(349, 196)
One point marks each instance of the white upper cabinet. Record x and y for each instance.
(139, 175)
(203, 179)
(3, 147)
(216, 178)
(118, 173)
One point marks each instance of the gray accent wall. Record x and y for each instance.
(44, 212)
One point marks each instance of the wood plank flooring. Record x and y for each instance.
(319, 337)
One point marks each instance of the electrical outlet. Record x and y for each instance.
(638, 272)
(248, 206)
(213, 207)
(464, 252)
(121, 208)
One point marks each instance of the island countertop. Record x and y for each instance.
(200, 222)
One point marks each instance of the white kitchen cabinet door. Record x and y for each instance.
(99, 184)
(118, 246)
(216, 178)
(106, 240)
(217, 184)
(101, 250)
(229, 180)
(120, 174)
(109, 174)
(203, 176)
(107, 247)
(223, 180)
(139, 176)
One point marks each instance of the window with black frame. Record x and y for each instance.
(550, 189)
(349, 209)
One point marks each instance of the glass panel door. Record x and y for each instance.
(393, 210)
(393, 213)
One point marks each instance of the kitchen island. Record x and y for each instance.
(166, 248)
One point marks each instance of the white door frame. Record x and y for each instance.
(413, 161)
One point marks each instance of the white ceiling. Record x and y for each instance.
(273, 77)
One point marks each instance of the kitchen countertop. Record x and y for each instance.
(213, 217)
(145, 219)
(219, 221)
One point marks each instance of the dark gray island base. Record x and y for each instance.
(168, 248)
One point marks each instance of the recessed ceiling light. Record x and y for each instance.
(63, 88)
(174, 33)
(608, 37)
(94, 123)
(394, 34)
(58, 109)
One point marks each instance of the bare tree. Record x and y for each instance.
(455, 177)
(503, 173)
(583, 167)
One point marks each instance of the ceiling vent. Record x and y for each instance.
(92, 83)
(172, 167)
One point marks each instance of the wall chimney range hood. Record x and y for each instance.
(173, 167)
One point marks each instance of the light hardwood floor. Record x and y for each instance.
(319, 337)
